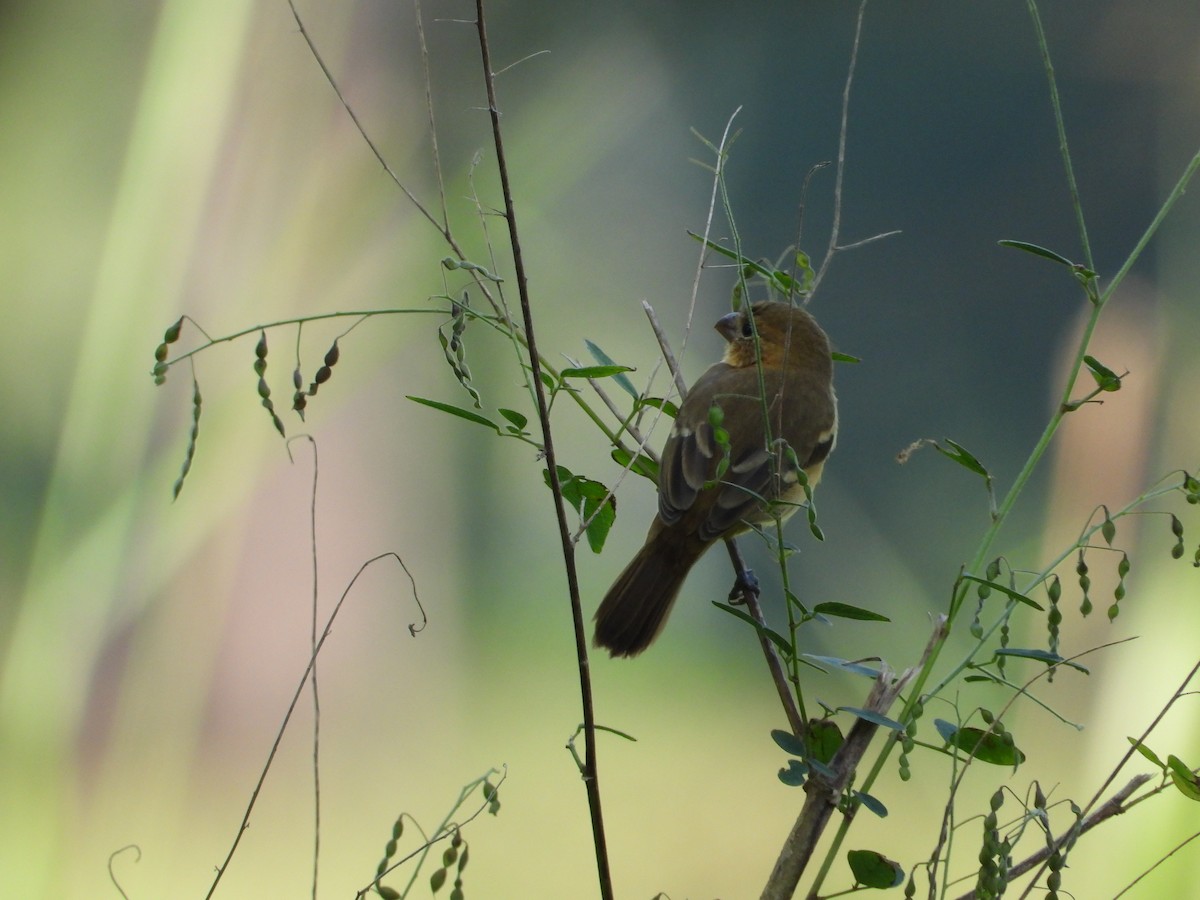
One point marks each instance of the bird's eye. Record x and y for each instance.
(747, 328)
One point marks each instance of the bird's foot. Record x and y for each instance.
(746, 582)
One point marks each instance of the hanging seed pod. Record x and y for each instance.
(1053, 618)
(1177, 530)
(1085, 582)
(190, 453)
(264, 389)
(326, 371)
(1119, 590)
(1108, 529)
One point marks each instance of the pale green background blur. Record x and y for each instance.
(160, 159)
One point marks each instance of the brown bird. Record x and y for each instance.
(711, 486)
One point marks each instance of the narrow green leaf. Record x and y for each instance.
(874, 870)
(962, 456)
(874, 717)
(593, 371)
(773, 636)
(605, 360)
(456, 411)
(1045, 656)
(846, 611)
(1106, 379)
(755, 267)
(1006, 591)
(658, 403)
(617, 732)
(844, 357)
(1148, 753)
(1183, 778)
(848, 665)
(1038, 251)
(642, 465)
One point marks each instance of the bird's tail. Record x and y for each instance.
(636, 607)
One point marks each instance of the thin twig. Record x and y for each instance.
(1125, 890)
(774, 662)
(437, 158)
(590, 776)
(316, 694)
(312, 661)
(445, 231)
(719, 152)
(840, 171)
(665, 346)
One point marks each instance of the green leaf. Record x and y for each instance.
(755, 267)
(518, 420)
(962, 456)
(773, 636)
(794, 774)
(1006, 591)
(824, 739)
(588, 498)
(1183, 778)
(844, 357)
(1148, 753)
(846, 611)
(605, 360)
(874, 870)
(1038, 251)
(987, 746)
(1042, 656)
(658, 403)
(788, 742)
(1106, 379)
(874, 804)
(876, 718)
(593, 371)
(642, 465)
(848, 665)
(456, 411)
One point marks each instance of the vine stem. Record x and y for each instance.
(590, 775)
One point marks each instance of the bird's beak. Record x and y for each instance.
(727, 326)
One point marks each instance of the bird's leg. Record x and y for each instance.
(745, 584)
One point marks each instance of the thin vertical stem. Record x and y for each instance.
(590, 776)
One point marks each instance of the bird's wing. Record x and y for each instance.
(693, 453)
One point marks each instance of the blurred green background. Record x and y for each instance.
(171, 158)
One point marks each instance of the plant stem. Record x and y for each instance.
(590, 775)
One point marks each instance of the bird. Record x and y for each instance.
(730, 460)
